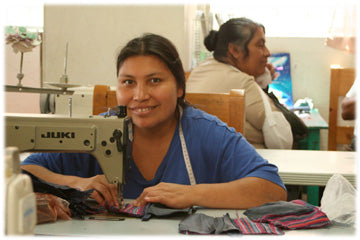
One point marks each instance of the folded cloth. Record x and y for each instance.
(279, 208)
(129, 210)
(149, 210)
(289, 215)
(160, 210)
(247, 227)
(203, 224)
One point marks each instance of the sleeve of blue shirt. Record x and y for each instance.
(219, 154)
(75, 164)
(241, 159)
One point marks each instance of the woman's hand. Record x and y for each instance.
(271, 68)
(243, 193)
(170, 194)
(103, 191)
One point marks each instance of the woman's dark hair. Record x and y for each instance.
(238, 31)
(155, 45)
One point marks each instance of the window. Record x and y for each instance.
(284, 19)
(29, 15)
(305, 19)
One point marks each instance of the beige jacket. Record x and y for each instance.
(212, 76)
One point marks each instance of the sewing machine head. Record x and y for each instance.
(104, 137)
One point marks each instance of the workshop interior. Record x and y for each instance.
(57, 57)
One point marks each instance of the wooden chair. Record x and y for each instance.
(103, 99)
(228, 107)
(341, 81)
(187, 74)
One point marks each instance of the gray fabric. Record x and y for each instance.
(203, 224)
(160, 210)
(198, 223)
(278, 208)
(228, 224)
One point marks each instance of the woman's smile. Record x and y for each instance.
(142, 110)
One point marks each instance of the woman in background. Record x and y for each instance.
(222, 169)
(239, 57)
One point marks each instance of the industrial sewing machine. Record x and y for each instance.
(104, 137)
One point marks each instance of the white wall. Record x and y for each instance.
(310, 70)
(22, 102)
(310, 67)
(96, 33)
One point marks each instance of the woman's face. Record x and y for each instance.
(149, 90)
(254, 64)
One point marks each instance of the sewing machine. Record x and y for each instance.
(104, 137)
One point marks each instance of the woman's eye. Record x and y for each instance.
(155, 80)
(127, 81)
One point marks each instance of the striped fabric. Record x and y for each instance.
(148, 211)
(203, 224)
(313, 219)
(248, 227)
(129, 209)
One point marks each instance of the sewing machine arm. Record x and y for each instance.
(104, 137)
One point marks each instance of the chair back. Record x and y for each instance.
(103, 99)
(341, 81)
(228, 107)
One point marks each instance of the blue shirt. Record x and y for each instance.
(217, 153)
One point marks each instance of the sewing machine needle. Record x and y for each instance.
(120, 197)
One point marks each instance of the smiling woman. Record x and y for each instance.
(149, 90)
(178, 155)
(151, 83)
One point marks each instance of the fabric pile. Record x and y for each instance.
(76, 199)
(203, 224)
(80, 208)
(270, 218)
(295, 214)
(149, 210)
